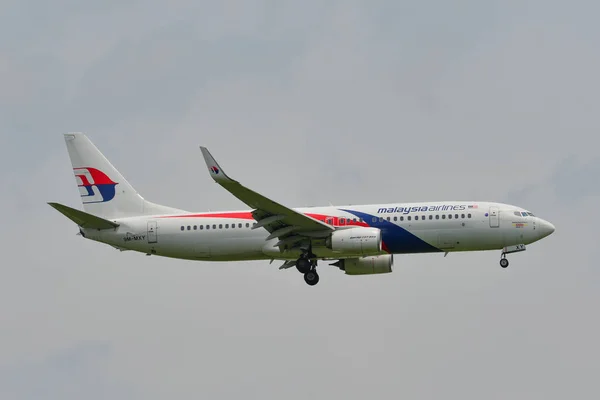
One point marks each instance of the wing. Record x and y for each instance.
(281, 222)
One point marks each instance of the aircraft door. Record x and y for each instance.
(494, 217)
(152, 232)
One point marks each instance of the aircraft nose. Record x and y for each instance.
(545, 228)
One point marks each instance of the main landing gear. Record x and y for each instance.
(311, 277)
(307, 265)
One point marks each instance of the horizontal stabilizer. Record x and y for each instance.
(84, 219)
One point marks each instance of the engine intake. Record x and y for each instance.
(366, 265)
(355, 241)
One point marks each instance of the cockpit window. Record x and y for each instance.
(523, 214)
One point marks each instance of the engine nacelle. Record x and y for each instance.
(355, 241)
(367, 265)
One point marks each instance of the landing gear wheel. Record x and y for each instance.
(303, 265)
(503, 262)
(311, 277)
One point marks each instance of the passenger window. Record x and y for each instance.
(449, 216)
(408, 218)
(189, 227)
(456, 216)
(226, 226)
(195, 227)
(401, 218)
(437, 216)
(247, 225)
(443, 216)
(182, 227)
(380, 219)
(207, 227)
(395, 219)
(431, 217)
(469, 215)
(214, 226)
(220, 226)
(388, 218)
(232, 226)
(201, 227)
(239, 225)
(462, 216)
(423, 217)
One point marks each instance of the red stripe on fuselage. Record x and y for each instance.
(335, 221)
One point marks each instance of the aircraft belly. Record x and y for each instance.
(237, 247)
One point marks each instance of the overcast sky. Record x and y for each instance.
(308, 102)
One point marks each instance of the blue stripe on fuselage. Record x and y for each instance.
(396, 238)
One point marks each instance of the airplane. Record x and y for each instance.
(359, 239)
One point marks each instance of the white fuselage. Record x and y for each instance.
(406, 228)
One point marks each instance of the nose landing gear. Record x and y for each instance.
(508, 250)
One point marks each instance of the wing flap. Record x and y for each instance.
(83, 219)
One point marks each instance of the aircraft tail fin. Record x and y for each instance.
(84, 219)
(104, 191)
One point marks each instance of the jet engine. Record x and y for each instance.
(366, 265)
(355, 241)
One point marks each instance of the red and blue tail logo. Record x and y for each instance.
(214, 170)
(94, 185)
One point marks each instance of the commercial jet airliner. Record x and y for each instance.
(359, 240)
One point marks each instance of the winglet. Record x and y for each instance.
(214, 168)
